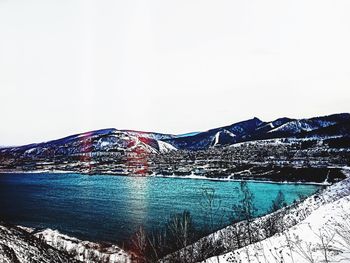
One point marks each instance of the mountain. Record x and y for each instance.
(255, 129)
(293, 127)
(129, 141)
(106, 140)
(220, 136)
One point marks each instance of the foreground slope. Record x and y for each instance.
(322, 232)
(25, 245)
(228, 244)
(18, 246)
(322, 237)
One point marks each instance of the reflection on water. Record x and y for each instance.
(111, 208)
(137, 201)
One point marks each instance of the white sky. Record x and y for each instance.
(168, 66)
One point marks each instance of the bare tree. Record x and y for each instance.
(139, 243)
(245, 209)
(279, 202)
(211, 207)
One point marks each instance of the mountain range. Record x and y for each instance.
(123, 141)
(256, 129)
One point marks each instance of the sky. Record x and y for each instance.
(72, 66)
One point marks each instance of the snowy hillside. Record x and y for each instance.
(256, 129)
(84, 251)
(108, 140)
(317, 142)
(18, 246)
(316, 213)
(128, 140)
(22, 245)
(322, 232)
(222, 137)
(322, 237)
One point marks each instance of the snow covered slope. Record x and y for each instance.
(112, 142)
(107, 140)
(322, 236)
(84, 251)
(223, 135)
(220, 244)
(165, 147)
(24, 245)
(18, 246)
(336, 125)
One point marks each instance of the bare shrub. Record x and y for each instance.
(211, 208)
(245, 210)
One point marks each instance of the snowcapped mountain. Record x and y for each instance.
(322, 127)
(219, 136)
(292, 126)
(151, 135)
(106, 140)
(336, 125)
(128, 141)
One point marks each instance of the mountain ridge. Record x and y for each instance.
(247, 130)
(315, 142)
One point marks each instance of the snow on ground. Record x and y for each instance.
(19, 246)
(323, 236)
(225, 240)
(84, 251)
(217, 136)
(165, 147)
(22, 245)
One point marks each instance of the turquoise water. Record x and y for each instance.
(111, 208)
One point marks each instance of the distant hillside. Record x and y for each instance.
(106, 140)
(220, 152)
(255, 129)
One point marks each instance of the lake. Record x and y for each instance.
(111, 208)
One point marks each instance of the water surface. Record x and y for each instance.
(111, 208)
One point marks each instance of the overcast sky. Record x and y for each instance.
(167, 66)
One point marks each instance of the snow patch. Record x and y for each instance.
(84, 251)
(328, 213)
(165, 147)
(217, 136)
(303, 241)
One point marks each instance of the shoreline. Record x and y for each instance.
(62, 241)
(294, 217)
(188, 177)
(237, 180)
